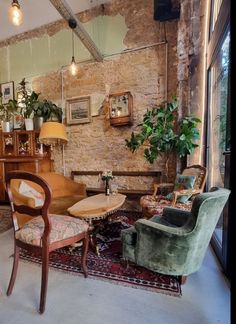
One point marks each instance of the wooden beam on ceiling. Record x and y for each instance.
(66, 12)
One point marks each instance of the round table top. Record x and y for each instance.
(97, 206)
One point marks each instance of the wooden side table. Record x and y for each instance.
(95, 210)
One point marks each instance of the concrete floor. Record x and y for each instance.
(75, 300)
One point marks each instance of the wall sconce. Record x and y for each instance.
(53, 133)
(15, 14)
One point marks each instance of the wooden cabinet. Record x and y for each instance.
(21, 150)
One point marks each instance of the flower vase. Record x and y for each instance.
(107, 188)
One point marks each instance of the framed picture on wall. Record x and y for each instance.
(78, 110)
(7, 90)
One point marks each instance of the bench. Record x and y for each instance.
(131, 193)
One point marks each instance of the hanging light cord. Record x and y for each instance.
(73, 49)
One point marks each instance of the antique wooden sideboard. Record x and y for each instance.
(21, 150)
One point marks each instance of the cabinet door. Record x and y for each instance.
(38, 148)
(8, 144)
(24, 143)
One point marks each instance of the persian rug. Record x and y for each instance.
(108, 265)
(5, 218)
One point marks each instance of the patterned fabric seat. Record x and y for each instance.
(63, 227)
(154, 204)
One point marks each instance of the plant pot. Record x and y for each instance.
(7, 126)
(38, 122)
(29, 124)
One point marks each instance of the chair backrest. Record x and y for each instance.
(30, 179)
(206, 210)
(201, 174)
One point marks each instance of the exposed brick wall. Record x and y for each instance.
(97, 145)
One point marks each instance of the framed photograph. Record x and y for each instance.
(78, 110)
(7, 90)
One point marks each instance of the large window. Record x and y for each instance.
(218, 111)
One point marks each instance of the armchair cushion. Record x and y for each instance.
(28, 191)
(182, 182)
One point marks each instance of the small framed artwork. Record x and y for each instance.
(78, 110)
(121, 107)
(7, 90)
(18, 122)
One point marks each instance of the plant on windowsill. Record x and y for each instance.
(162, 135)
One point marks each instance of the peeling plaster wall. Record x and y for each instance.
(40, 54)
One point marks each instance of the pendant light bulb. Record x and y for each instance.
(15, 14)
(73, 66)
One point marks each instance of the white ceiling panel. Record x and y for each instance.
(37, 13)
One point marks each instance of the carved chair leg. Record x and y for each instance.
(44, 281)
(84, 254)
(14, 270)
(182, 279)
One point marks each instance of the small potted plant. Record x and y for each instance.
(7, 112)
(107, 176)
(27, 101)
(46, 110)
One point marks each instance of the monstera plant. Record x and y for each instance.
(161, 134)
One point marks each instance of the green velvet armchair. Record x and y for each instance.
(175, 242)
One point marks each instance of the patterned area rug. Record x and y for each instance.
(108, 265)
(5, 219)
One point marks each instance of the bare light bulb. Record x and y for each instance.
(73, 66)
(15, 14)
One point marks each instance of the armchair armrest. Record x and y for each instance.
(144, 226)
(158, 186)
(78, 187)
(178, 193)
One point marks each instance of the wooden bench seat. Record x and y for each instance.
(130, 193)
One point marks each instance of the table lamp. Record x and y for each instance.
(54, 133)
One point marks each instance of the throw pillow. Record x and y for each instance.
(182, 182)
(30, 192)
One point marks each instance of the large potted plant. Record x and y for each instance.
(161, 134)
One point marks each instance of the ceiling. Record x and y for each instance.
(37, 13)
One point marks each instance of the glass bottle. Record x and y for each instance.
(107, 189)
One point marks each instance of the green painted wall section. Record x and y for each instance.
(40, 56)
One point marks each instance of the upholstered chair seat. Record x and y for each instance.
(63, 227)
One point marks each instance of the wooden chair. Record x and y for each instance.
(154, 204)
(45, 232)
